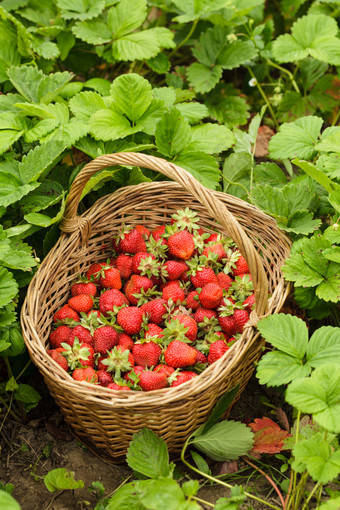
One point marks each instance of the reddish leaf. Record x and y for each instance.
(262, 141)
(268, 436)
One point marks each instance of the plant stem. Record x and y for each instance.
(260, 89)
(24, 369)
(15, 416)
(336, 118)
(236, 184)
(292, 483)
(203, 501)
(291, 76)
(316, 486)
(272, 483)
(216, 480)
(186, 38)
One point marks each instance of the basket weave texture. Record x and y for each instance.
(108, 419)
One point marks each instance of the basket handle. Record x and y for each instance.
(70, 222)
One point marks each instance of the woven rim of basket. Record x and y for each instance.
(75, 226)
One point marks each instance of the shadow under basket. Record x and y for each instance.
(106, 418)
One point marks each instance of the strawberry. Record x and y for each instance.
(85, 374)
(153, 330)
(204, 312)
(94, 271)
(216, 351)
(133, 375)
(104, 377)
(181, 245)
(66, 312)
(100, 365)
(185, 219)
(183, 377)
(135, 286)
(59, 335)
(84, 288)
(130, 319)
(124, 265)
(143, 230)
(118, 360)
(105, 338)
(125, 341)
(224, 280)
(173, 269)
(110, 299)
(211, 295)
(249, 303)
(117, 387)
(150, 381)
(172, 290)
(241, 317)
(146, 354)
(241, 266)
(203, 275)
(155, 309)
(215, 248)
(83, 335)
(56, 355)
(227, 324)
(79, 354)
(110, 278)
(158, 232)
(188, 323)
(179, 354)
(192, 301)
(136, 261)
(201, 358)
(164, 369)
(130, 241)
(93, 314)
(81, 303)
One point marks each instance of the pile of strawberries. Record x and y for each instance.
(169, 303)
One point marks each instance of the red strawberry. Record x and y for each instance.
(215, 248)
(82, 334)
(173, 269)
(250, 303)
(94, 270)
(216, 351)
(189, 323)
(111, 298)
(135, 286)
(181, 245)
(124, 265)
(118, 360)
(117, 387)
(164, 369)
(146, 354)
(81, 303)
(149, 381)
(158, 232)
(241, 317)
(179, 354)
(227, 324)
(133, 375)
(153, 330)
(66, 312)
(84, 288)
(85, 374)
(136, 261)
(143, 230)
(131, 242)
(204, 312)
(130, 319)
(104, 377)
(79, 354)
(201, 358)
(59, 335)
(211, 295)
(110, 278)
(100, 365)
(183, 377)
(203, 275)
(155, 309)
(172, 290)
(56, 355)
(224, 280)
(192, 301)
(241, 266)
(125, 341)
(105, 338)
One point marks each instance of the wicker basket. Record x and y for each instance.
(107, 419)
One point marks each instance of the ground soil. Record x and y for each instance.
(31, 450)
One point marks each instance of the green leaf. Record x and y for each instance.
(236, 166)
(8, 287)
(193, 112)
(203, 78)
(40, 130)
(61, 479)
(277, 368)
(220, 408)
(193, 9)
(319, 395)
(329, 163)
(330, 504)
(128, 496)
(173, 133)
(236, 54)
(100, 85)
(160, 64)
(329, 290)
(132, 95)
(7, 501)
(26, 80)
(92, 32)
(285, 332)
(79, 9)
(315, 455)
(40, 160)
(202, 166)
(36, 110)
(301, 222)
(43, 220)
(200, 462)
(7, 138)
(49, 193)
(324, 346)
(165, 94)
(16, 345)
(46, 49)
(109, 125)
(210, 138)
(226, 440)
(142, 45)
(295, 269)
(51, 85)
(296, 139)
(25, 393)
(332, 254)
(316, 174)
(148, 454)
(209, 46)
(11, 384)
(12, 190)
(330, 140)
(65, 41)
(163, 493)
(122, 19)
(148, 122)
(314, 35)
(84, 104)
